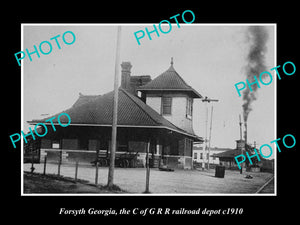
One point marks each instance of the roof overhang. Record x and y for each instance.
(193, 92)
(195, 137)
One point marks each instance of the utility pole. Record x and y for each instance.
(205, 140)
(208, 100)
(242, 147)
(110, 181)
(211, 116)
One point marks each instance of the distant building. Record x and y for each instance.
(158, 112)
(200, 157)
(227, 158)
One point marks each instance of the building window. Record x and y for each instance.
(55, 144)
(189, 108)
(201, 155)
(195, 155)
(166, 105)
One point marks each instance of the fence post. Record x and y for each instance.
(59, 163)
(76, 170)
(147, 168)
(96, 175)
(32, 161)
(45, 163)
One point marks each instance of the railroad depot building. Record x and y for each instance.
(158, 111)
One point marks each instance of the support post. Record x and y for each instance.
(32, 160)
(76, 170)
(59, 163)
(147, 168)
(96, 173)
(45, 165)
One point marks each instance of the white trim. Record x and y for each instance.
(22, 110)
(69, 150)
(142, 24)
(275, 110)
(82, 150)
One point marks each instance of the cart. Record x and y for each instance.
(124, 160)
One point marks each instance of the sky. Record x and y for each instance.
(211, 58)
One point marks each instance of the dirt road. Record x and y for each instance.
(132, 180)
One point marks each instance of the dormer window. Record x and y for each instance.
(166, 105)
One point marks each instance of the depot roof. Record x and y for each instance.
(169, 80)
(96, 110)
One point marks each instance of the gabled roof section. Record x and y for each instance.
(229, 154)
(169, 80)
(235, 152)
(216, 149)
(84, 99)
(132, 112)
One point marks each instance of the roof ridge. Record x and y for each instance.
(173, 69)
(128, 95)
(88, 99)
(182, 85)
(84, 95)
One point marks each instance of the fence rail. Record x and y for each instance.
(58, 156)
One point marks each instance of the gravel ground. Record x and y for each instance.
(38, 183)
(132, 180)
(269, 188)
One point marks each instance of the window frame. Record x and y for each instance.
(55, 144)
(163, 104)
(189, 108)
(195, 155)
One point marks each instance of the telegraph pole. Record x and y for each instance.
(212, 109)
(205, 140)
(206, 99)
(110, 181)
(242, 148)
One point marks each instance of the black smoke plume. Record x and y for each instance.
(257, 37)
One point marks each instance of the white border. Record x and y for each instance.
(146, 24)
(22, 112)
(275, 111)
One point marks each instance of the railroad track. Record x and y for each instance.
(264, 185)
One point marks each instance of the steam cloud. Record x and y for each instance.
(257, 37)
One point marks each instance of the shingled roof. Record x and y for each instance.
(169, 80)
(84, 99)
(234, 152)
(228, 154)
(132, 112)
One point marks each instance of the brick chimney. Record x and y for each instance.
(240, 145)
(125, 79)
